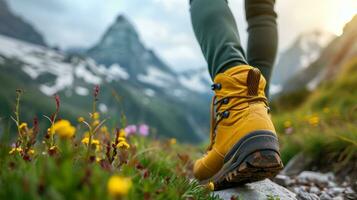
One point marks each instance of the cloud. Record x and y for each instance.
(164, 25)
(68, 23)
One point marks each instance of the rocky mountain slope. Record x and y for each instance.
(305, 50)
(329, 63)
(39, 70)
(121, 44)
(14, 26)
(173, 104)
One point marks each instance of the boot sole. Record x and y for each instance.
(255, 157)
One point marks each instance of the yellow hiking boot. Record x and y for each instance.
(244, 146)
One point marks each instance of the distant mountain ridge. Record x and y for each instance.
(329, 63)
(14, 26)
(121, 44)
(149, 90)
(42, 72)
(302, 52)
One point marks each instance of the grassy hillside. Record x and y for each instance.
(93, 159)
(324, 125)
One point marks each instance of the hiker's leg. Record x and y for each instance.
(217, 34)
(263, 36)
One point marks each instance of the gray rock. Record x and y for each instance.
(336, 191)
(283, 180)
(309, 177)
(338, 198)
(315, 190)
(302, 195)
(260, 190)
(297, 164)
(325, 196)
(350, 194)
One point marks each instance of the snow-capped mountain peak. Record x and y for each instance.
(37, 61)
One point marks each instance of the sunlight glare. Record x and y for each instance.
(341, 13)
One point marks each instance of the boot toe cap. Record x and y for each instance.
(208, 166)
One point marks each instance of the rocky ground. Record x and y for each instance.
(296, 183)
(309, 185)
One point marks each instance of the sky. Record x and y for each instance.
(164, 25)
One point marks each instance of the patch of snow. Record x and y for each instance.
(33, 73)
(38, 60)
(60, 84)
(315, 81)
(275, 89)
(311, 45)
(103, 108)
(116, 72)
(149, 92)
(155, 77)
(82, 91)
(82, 72)
(101, 69)
(194, 83)
(308, 58)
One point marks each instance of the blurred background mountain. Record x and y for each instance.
(134, 79)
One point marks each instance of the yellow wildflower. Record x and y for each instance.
(122, 133)
(86, 141)
(15, 149)
(95, 115)
(326, 110)
(23, 125)
(314, 120)
(95, 142)
(287, 124)
(64, 129)
(211, 186)
(96, 123)
(123, 144)
(121, 139)
(51, 131)
(80, 119)
(119, 186)
(104, 129)
(173, 141)
(31, 151)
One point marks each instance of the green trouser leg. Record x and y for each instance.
(217, 34)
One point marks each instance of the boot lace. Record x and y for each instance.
(217, 115)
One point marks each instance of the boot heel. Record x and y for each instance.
(264, 159)
(253, 158)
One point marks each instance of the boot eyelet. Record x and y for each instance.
(268, 110)
(225, 114)
(216, 86)
(225, 101)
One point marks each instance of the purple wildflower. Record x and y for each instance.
(143, 130)
(131, 129)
